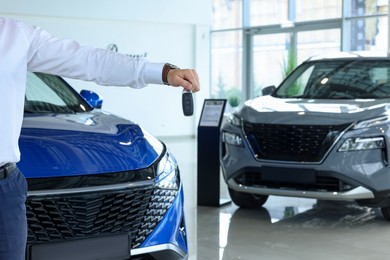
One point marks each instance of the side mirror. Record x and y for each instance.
(268, 90)
(94, 99)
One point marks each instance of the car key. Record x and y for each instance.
(187, 103)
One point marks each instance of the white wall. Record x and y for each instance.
(175, 31)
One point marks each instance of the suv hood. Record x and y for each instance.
(271, 110)
(84, 143)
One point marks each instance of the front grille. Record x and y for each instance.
(305, 143)
(86, 215)
(320, 183)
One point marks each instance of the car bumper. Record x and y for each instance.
(360, 176)
(169, 239)
(160, 223)
(354, 194)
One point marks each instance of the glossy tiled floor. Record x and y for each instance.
(285, 228)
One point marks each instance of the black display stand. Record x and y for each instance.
(208, 153)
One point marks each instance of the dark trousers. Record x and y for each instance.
(13, 222)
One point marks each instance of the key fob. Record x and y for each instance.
(187, 103)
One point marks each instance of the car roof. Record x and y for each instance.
(351, 55)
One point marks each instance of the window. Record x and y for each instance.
(226, 55)
(252, 39)
(314, 42)
(298, 85)
(269, 60)
(227, 14)
(348, 79)
(51, 94)
(264, 12)
(367, 25)
(309, 10)
(38, 91)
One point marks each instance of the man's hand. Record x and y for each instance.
(187, 78)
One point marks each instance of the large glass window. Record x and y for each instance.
(368, 7)
(310, 10)
(264, 12)
(311, 43)
(367, 24)
(227, 14)
(274, 58)
(226, 64)
(269, 60)
(368, 34)
(254, 41)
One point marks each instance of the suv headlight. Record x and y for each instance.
(232, 138)
(362, 143)
(167, 173)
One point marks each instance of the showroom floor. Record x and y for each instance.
(285, 228)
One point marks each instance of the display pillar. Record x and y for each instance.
(208, 153)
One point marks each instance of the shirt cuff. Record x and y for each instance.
(153, 73)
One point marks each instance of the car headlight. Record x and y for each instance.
(234, 120)
(167, 173)
(362, 143)
(231, 138)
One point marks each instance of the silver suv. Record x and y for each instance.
(324, 133)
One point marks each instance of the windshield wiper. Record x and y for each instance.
(57, 110)
(37, 111)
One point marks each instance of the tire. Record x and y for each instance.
(247, 200)
(386, 212)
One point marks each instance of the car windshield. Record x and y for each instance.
(338, 79)
(51, 94)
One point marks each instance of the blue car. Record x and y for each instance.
(100, 186)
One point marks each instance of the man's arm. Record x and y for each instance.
(65, 57)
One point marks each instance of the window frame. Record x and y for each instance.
(248, 32)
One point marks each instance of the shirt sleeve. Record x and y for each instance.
(67, 58)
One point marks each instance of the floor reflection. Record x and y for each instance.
(289, 228)
(285, 228)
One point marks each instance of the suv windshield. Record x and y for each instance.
(338, 79)
(51, 94)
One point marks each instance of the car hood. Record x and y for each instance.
(271, 110)
(84, 143)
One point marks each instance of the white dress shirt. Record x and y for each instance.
(27, 48)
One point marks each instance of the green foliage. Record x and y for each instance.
(234, 97)
(221, 92)
(289, 65)
(232, 94)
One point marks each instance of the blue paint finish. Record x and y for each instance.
(86, 143)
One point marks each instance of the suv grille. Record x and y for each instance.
(308, 143)
(320, 183)
(67, 217)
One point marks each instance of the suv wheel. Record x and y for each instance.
(247, 200)
(386, 212)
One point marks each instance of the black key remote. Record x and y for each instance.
(187, 103)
